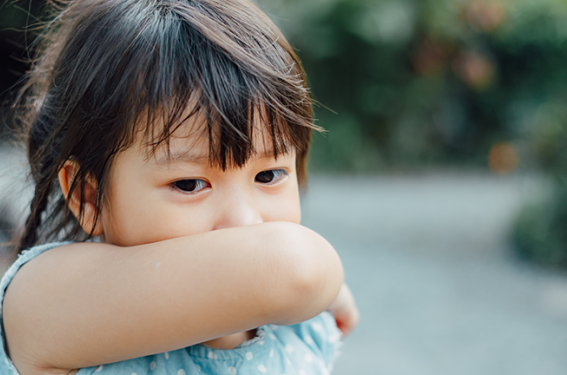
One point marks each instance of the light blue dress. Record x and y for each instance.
(307, 348)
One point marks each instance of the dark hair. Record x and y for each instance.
(109, 70)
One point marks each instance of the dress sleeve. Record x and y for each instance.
(322, 336)
(6, 365)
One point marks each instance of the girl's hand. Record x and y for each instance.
(344, 310)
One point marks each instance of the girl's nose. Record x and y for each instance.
(237, 211)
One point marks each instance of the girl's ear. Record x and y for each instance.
(87, 221)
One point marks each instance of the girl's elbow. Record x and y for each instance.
(312, 271)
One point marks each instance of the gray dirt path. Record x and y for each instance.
(438, 288)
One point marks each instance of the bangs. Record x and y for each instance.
(179, 68)
(227, 147)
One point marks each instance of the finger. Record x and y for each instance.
(347, 323)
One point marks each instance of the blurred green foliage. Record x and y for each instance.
(539, 234)
(17, 19)
(417, 83)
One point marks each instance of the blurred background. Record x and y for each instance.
(441, 179)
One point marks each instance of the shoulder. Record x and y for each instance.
(6, 365)
(23, 258)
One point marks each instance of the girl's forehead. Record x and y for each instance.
(194, 141)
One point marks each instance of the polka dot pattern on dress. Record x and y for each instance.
(302, 351)
(317, 327)
(334, 338)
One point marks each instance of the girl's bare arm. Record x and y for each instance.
(88, 303)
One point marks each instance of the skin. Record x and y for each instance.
(193, 206)
(217, 252)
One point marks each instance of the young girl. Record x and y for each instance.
(172, 135)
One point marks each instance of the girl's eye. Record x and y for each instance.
(191, 186)
(271, 177)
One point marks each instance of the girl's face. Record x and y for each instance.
(151, 199)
